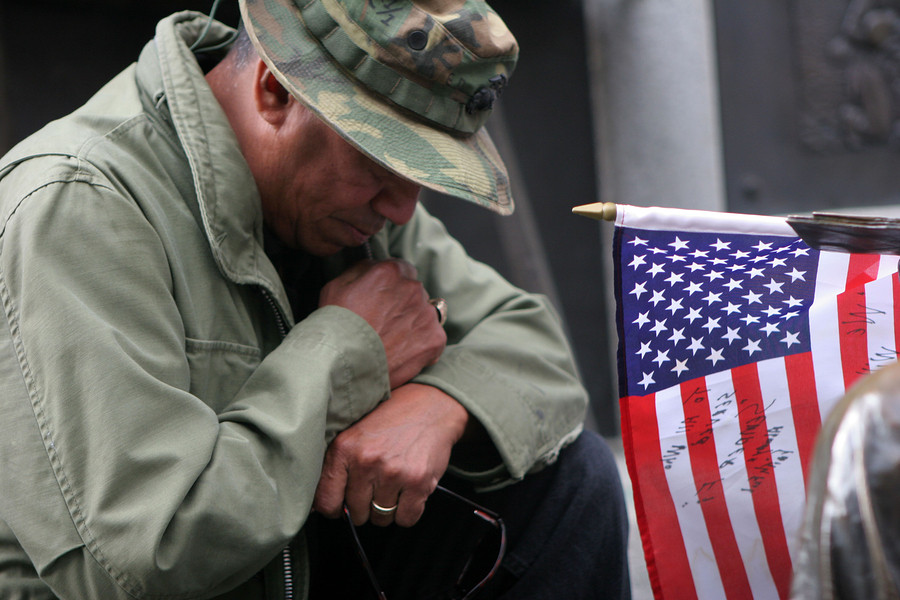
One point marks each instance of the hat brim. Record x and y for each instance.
(467, 167)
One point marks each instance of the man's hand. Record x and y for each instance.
(395, 456)
(390, 298)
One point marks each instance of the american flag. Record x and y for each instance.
(735, 340)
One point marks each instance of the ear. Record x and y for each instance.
(272, 99)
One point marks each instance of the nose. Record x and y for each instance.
(397, 199)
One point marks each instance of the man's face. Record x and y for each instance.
(321, 194)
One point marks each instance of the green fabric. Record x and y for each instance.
(159, 437)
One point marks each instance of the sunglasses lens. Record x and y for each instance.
(448, 554)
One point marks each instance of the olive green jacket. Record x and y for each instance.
(163, 417)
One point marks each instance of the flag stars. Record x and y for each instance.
(693, 287)
(731, 336)
(694, 267)
(680, 367)
(795, 275)
(709, 305)
(655, 270)
(675, 306)
(696, 346)
(711, 298)
(674, 278)
(752, 346)
(715, 356)
(637, 261)
(774, 286)
(772, 312)
(711, 324)
(641, 320)
(678, 244)
(752, 298)
(661, 357)
(639, 290)
(731, 308)
(749, 319)
(769, 328)
(659, 327)
(658, 297)
(791, 338)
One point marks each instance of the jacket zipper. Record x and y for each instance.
(286, 562)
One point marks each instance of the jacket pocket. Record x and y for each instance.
(219, 369)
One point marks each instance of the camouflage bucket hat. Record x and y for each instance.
(408, 82)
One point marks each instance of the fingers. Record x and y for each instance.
(390, 298)
(380, 503)
(393, 458)
(376, 493)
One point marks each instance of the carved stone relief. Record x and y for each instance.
(848, 63)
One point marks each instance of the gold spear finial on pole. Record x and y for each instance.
(602, 211)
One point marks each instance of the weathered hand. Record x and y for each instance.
(390, 298)
(395, 456)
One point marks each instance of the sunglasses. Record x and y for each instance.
(483, 536)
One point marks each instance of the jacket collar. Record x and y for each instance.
(227, 200)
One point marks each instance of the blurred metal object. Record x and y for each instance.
(851, 532)
(848, 233)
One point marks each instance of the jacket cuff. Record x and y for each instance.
(353, 353)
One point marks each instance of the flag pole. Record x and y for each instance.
(602, 211)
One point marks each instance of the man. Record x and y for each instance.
(226, 317)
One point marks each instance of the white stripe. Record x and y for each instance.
(729, 449)
(680, 477)
(784, 448)
(879, 306)
(824, 332)
(678, 219)
(888, 265)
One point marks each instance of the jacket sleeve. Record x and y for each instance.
(100, 436)
(507, 359)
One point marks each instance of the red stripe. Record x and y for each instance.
(710, 493)
(852, 318)
(863, 269)
(755, 436)
(895, 282)
(804, 406)
(667, 561)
